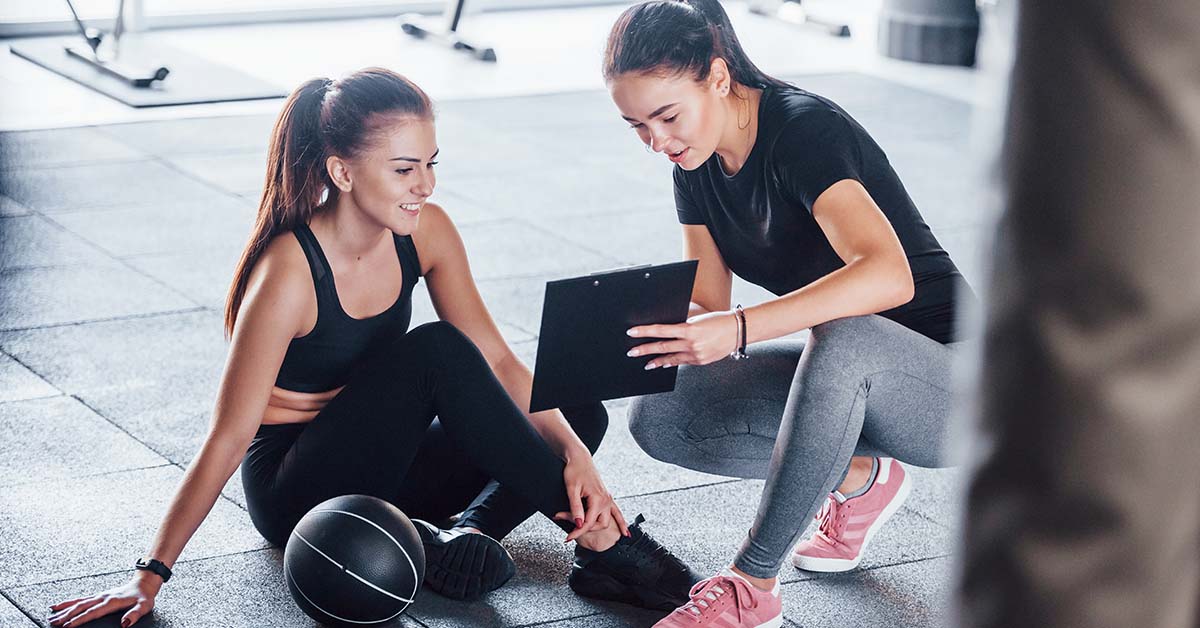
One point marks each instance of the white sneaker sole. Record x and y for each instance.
(774, 622)
(833, 565)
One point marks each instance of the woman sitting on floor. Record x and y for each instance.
(326, 392)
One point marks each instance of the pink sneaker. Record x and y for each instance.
(847, 525)
(727, 600)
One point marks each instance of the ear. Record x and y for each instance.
(719, 78)
(339, 172)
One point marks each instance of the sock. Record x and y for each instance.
(870, 480)
(728, 571)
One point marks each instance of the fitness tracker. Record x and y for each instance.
(154, 565)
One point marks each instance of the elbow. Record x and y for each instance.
(900, 286)
(905, 291)
(226, 449)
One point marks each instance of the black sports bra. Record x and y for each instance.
(322, 359)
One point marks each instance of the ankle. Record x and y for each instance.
(599, 540)
(858, 475)
(762, 584)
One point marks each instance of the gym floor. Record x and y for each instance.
(119, 229)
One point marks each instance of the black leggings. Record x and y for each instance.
(379, 437)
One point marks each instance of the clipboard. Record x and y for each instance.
(581, 355)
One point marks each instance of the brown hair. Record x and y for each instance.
(675, 37)
(322, 117)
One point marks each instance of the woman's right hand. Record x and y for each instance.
(139, 593)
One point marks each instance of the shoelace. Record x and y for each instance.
(706, 593)
(646, 547)
(831, 518)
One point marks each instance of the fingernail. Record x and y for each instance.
(631, 332)
(632, 353)
(578, 522)
(651, 366)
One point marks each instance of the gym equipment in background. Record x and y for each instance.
(930, 31)
(112, 65)
(118, 65)
(418, 27)
(793, 11)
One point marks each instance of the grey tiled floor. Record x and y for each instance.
(114, 258)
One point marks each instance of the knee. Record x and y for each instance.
(842, 328)
(438, 338)
(841, 340)
(437, 347)
(437, 333)
(590, 423)
(651, 425)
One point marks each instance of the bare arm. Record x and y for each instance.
(876, 276)
(270, 317)
(457, 301)
(268, 320)
(714, 281)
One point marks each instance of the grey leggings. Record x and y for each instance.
(794, 415)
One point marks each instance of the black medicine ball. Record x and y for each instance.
(354, 560)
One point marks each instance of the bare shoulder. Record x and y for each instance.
(435, 223)
(281, 284)
(283, 263)
(436, 236)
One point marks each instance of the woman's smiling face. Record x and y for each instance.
(675, 115)
(394, 176)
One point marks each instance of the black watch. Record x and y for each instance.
(155, 566)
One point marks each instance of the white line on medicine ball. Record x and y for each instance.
(352, 574)
(318, 606)
(391, 538)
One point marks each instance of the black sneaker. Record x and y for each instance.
(463, 565)
(637, 570)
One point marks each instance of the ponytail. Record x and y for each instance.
(676, 37)
(320, 118)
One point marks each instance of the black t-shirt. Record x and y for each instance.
(761, 218)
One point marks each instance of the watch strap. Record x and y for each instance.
(154, 565)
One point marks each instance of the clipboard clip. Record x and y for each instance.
(596, 282)
(619, 269)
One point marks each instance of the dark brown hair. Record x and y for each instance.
(675, 37)
(320, 118)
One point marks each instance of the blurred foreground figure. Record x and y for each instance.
(1084, 512)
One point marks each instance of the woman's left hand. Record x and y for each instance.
(702, 339)
(584, 487)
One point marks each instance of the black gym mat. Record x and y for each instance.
(193, 80)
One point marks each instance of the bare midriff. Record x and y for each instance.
(289, 406)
